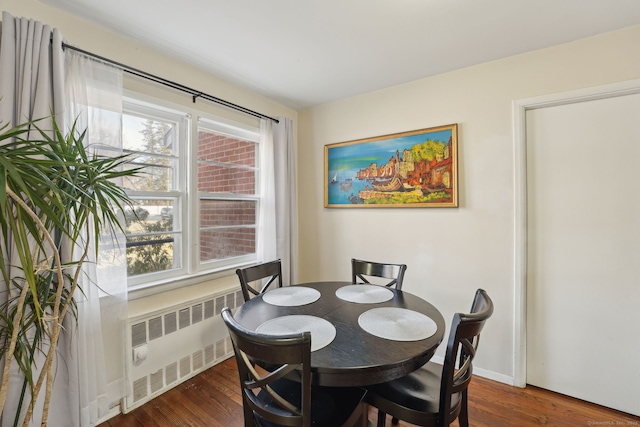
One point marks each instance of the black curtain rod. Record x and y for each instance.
(195, 94)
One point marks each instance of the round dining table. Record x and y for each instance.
(375, 334)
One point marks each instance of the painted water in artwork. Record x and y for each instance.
(409, 169)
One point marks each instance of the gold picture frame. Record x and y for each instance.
(417, 169)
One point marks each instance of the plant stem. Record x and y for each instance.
(74, 285)
(46, 369)
(14, 337)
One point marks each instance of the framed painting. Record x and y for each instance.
(414, 169)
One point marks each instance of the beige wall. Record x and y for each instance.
(449, 252)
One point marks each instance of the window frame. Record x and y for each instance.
(236, 131)
(137, 106)
(192, 270)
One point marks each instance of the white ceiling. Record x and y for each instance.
(303, 53)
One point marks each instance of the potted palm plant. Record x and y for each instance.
(51, 189)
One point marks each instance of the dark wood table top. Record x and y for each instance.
(355, 357)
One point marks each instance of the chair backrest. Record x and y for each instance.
(463, 342)
(284, 355)
(360, 269)
(269, 270)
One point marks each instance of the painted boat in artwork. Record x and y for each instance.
(394, 185)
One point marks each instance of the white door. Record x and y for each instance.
(583, 266)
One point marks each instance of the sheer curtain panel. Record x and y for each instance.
(37, 78)
(286, 198)
(266, 244)
(94, 91)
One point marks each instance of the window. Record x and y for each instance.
(196, 202)
(228, 192)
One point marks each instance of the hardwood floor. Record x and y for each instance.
(212, 399)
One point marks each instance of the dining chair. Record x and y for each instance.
(284, 395)
(362, 271)
(271, 270)
(435, 395)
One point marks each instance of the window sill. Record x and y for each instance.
(160, 298)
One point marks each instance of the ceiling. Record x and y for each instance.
(303, 53)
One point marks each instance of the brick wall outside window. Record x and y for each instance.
(218, 158)
(214, 178)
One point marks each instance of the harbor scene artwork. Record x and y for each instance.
(408, 169)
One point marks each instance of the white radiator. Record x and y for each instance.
(166, 348)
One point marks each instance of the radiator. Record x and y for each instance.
(167, 348)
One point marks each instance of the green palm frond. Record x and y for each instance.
(52, 187)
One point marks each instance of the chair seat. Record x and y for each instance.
(330, 406)
(416, 395)
(436, 395)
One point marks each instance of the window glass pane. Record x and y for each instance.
(158, 175)
(227, 243)
(226, 164)
(214, 147)
(148, 135)
(227, 228)
(152, 237)
(151, 254)
(152, 142)
(150, 213)
(225, 213)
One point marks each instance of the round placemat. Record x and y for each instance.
(290, 296)
(364, 294)
(322, 331)
(397, 324)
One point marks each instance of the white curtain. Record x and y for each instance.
(266, 241)
(96, 374)
(31, 88)
(286, 198)
(34, 82)
(31, 71)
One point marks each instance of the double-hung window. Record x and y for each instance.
(196, 200)
(227, 180)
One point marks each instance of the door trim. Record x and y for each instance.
(520, 108)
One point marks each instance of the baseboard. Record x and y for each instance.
(484, 373)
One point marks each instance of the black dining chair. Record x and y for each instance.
(269, 270)
(363, 271)
(435, 395)
(284, 395)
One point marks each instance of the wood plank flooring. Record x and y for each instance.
(212, 399)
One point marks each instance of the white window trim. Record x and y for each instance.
(192, 270)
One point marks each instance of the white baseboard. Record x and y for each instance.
(484, 373)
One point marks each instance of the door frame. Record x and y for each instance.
(520, 108)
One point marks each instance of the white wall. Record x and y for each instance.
(449, 251)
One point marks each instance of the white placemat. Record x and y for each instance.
(322, 331)
(397, 324)
(364, 294)
(289, 296)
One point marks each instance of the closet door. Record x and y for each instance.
(583, 272)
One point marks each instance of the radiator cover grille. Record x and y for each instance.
(181, 342)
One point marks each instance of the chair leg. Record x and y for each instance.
(364, 415)
(463, 418)
(359, 418)
(382, 418)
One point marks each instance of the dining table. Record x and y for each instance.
(361, 334)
